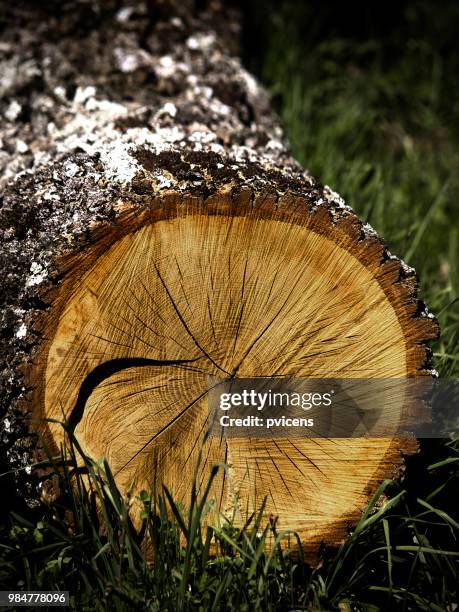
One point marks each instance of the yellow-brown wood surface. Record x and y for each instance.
(230, 291)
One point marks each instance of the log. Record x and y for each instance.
(157, 231)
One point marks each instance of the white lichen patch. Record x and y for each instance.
(334, 197)
(38, 274)
(253, 88)
(119, 164)
(129, 61)
(84, 93)
(60, 92)
(160, 139)
(124, 14)
(217, 148)
(165, 67)
(243, 154)
(21, 146)
(111, 110)
(275, 145)
(50, 195)
(169, 109)
(201, 41)
(219, 108)
(13, 111)
(202, 136)
(22, 331)
(71, 169)
(407, 269)
(162, 182)
(369, 231)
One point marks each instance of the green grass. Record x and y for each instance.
(377, 120)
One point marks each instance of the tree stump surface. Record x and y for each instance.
(156, 231)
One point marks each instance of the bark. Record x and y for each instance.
(111, 110)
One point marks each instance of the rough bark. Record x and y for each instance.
(112, 113)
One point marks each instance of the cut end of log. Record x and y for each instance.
(232, 286)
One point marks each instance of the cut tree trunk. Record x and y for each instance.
(156, 232)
